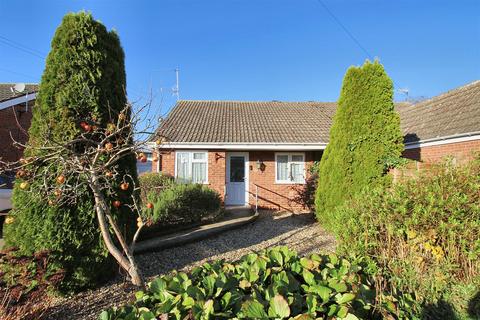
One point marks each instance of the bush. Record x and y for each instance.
(154, 182)
(422, 235)
(183, 203)
(365, 138)
(84, 81)
(275, 283)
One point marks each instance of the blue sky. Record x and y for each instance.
(259, 49)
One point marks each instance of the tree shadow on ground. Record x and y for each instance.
(445, 310)
(440, 310)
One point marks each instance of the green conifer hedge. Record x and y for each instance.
(84, 80)
(365, 138)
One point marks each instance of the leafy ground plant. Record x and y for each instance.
(272, 284)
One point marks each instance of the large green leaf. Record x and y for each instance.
(309, 277)
(253, 309)
(276, 257)
(105, 315)
(344, 298)
(323, 292)
(279, 307)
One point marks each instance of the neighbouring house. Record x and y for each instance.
(259, 153)
(15, 117)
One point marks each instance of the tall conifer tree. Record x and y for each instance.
(83, 81)
(365, 138)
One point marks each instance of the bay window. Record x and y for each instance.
(191, 166)
(289, 168)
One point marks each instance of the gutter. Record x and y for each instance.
(455, 138)
(241, 146)
(18, 100)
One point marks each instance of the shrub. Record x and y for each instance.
(365, 138)
(275, 283)
(84, 81)
(154, 182)
(421, 235)
(183, 203)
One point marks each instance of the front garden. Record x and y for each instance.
(408, 250)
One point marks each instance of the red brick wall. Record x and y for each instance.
(270, 194)
(14, 121)
(461, 152)
(216, 168)
(273, 195)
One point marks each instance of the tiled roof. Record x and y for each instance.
(7, 94)
(248, 122)
(451, 113)
(454, 112)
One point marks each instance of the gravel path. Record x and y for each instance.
(299, 232)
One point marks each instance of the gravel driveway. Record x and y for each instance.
(299, 232)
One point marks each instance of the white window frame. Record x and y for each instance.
(289, 163)
(191, 161)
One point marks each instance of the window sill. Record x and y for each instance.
(289, 182)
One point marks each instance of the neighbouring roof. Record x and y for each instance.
(7, 94)
(452, 113)
(203, 122)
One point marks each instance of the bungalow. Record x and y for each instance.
(259, 153)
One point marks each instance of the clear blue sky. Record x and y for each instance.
(261, 50)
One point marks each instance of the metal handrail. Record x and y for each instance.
(256, 198)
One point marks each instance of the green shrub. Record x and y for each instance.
(154, 182)
(275, 284)
(421, 235)
(183, 203)
(84, 80)
(365, 139)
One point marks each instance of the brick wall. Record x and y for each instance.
(273, 195)
(14, 121)
(216, 168)
(461, 151)
(423, 158)
(270, 194)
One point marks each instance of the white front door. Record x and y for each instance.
(237, 179)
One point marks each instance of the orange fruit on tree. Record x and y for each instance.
(124, 186)
(116, 203)
(150, 205)
(60, 179)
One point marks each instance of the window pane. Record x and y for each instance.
(297, 158)
(182, 167)
(282, 168)
(199, 172)
(297, 172)
(237, 169)
(199, 156)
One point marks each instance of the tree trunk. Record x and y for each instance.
(127, 261)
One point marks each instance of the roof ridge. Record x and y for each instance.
(254, 101)
(446, 93)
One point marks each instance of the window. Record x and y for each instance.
(290, 168)
(191, 167)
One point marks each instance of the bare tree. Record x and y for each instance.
(92, 160)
